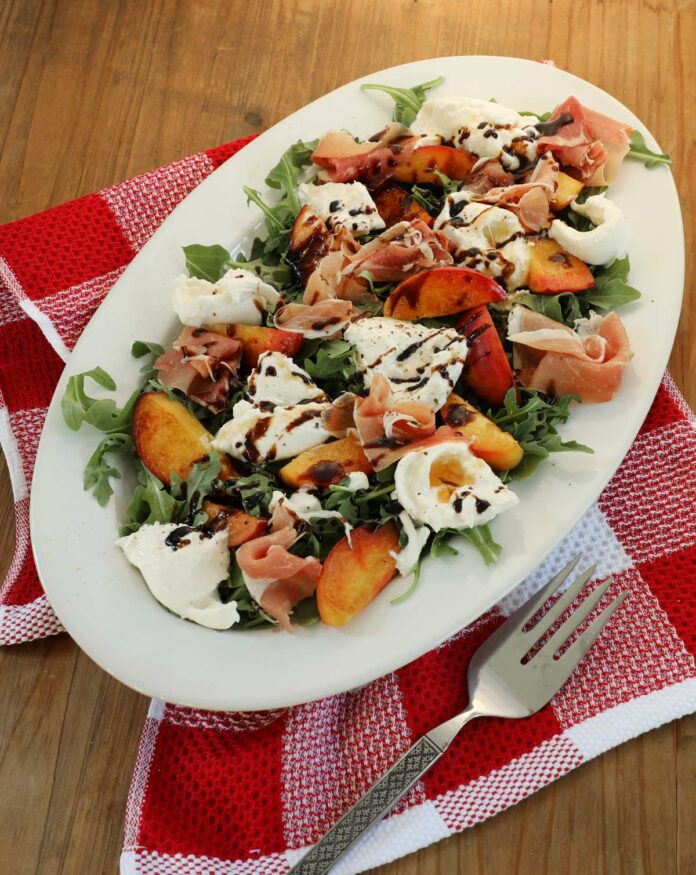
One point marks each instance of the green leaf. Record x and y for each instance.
(150, 503)
(278, 275)
(481, 538)
(201, 482)
(639, 151)
(206, 262)
(543, 117)
(99, 473)
(331, 363)
(533, 421)
(151, 352)
(306, 613)
(285, 175)
(427, 199)
(407, 101)
(78, 407)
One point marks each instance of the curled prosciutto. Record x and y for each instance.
(385, 426)
(398, 252)
(344, 160)
(277, 579)
(528, 200)
(550, 357)
(591, 143)
(201, 365)
(321, 319)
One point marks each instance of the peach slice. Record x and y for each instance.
(568, 188)
(169, 439)
(441, 291)
(396, 205)
(552, 270)
(490, 443)
(354, 573)
(241, 526)
(309, 242)
(486, 369)
(257, 339)
(423, 163)
(326, 464)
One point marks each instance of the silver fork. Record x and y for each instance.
(500, 685)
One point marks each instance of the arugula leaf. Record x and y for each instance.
(534, 422)
(150, 503)
(407, 101)
(254, 492)
(427, 199)
(277, 274)
(153, 351)
(285, 175)
(543, 117)
(98, 472)
(78, 407)
(206, 262)
(639, 151)
(201, 482)
(479, 536)
(611, 288)
(565, 308)
(331, 364)
(306, 613)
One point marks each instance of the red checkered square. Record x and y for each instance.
(650, 503)
(214, 793)
(672, 581)
(64, 246)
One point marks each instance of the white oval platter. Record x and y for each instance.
(102, 600)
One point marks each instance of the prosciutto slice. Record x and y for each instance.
(201, 365)
(344, 160)
(591, 143)
(528, 200)
(321, 319)
(384, 427)
(338, 417)
(550, 357)
(276, 578)
(398, 252)
(327, 281)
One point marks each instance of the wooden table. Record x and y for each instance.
(94, 92)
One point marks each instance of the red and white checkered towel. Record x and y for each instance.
(245, 793)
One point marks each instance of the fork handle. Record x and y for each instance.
(371, 808)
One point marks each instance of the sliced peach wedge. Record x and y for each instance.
(354, 573)
(309, 242)
(241, 526)
(486, 370)
(257, 339)
(441, 291)
(325, 465)
(489, 442)
(568, 189)
(552, 270)
(421, 166)
(395, 205)
(169, 439)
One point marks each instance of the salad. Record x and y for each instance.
(362, 388)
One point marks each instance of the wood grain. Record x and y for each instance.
(93, 92)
